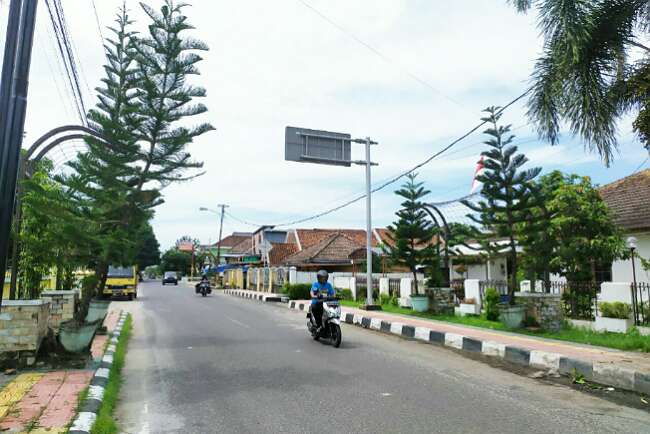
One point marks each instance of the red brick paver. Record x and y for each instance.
(98, 345)
(63, 405)
(33, 403)
(110, 322)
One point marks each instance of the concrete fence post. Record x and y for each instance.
(384, 286)
(353, 287)
(405, 288)
(293, 275)
(473, 290)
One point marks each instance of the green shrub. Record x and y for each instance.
(345, 294)
(299, 291)
(615, 309)
(492, 304)
(385, 299)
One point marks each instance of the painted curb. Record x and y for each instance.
(87, 415)
(605, 374)
(270, 297)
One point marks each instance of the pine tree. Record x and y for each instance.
(506, 192)
(412, 234)
(166, 58)
(103, 184)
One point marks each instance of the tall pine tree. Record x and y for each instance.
(507, 195)
(412, 234)
(166, 59)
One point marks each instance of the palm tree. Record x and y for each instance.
(593, 70)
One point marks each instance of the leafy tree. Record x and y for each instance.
(582, 228)
(148, 248)
(176, 260)
(506, 192)
(589, 75)
(411, 235)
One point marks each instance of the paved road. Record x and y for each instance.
(226, 365)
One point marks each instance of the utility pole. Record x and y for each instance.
(368, 228)
(13, 104)
(223, 210)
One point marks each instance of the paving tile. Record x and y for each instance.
(15, 390)
(63, 406)
(33, 402)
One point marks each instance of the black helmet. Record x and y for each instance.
(323, 274)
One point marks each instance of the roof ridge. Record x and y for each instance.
(331, 237)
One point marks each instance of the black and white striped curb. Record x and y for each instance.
(255, 295)
(93, 402)
(607, 374)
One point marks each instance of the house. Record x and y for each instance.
(629, 200)
(224, 248)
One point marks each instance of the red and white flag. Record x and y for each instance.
(476, 184)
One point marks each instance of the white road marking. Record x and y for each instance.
(386, 394)
(239, 323)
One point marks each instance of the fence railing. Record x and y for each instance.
(500, 285)
(394, 286)
(641, 303)
(458, 290)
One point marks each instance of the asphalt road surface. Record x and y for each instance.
(222, 364)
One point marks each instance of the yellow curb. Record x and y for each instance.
(15, 390)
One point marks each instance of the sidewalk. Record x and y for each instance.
(621, 369)
(46, 402)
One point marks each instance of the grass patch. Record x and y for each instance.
(631, 341)
(105, 423)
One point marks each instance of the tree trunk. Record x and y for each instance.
(415, 281)
(513, 276)
(89, 292)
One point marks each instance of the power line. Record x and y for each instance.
(401, 175)
(99, 25)
(379, 53)
(640, 165)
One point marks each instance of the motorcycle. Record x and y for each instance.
(331, 329)
(203, 288)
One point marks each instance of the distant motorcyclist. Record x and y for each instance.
(321, 288)
(204, 279)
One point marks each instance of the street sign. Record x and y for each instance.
(317, 146)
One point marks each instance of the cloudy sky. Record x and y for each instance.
(412, 74)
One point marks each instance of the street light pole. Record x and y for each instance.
(223, 210)
(13, 104)
(368, 228)
(631, 243)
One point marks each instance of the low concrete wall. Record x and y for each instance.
(62, 306)
(23, 325)
(546, 309)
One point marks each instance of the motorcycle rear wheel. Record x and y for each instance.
(336, 335)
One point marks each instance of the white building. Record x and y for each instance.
(629, 200)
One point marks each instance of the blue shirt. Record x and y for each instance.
(317, 288)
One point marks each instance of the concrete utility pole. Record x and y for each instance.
(369, 301)
(13, 104)
(223, 210)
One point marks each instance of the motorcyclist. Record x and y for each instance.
(204, 279)
(320, 289)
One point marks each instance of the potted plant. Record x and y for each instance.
(469, 307)
(512, 316)
(410, 239)
(614, 317)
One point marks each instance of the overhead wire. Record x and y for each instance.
(378, 53)
(396, 178)
(72, 52)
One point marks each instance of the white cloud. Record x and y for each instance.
(277, 63)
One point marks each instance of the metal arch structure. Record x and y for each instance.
(430, 209)
(79, 132)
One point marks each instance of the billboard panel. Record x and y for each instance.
(317, 146)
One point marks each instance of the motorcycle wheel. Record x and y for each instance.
(203, 293)
(336, 335)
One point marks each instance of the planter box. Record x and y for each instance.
(469, 309)
(420, 303)
(616, 325)
(512, 316)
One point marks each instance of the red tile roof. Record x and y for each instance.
(280, 251)
(310, 237)
(629, 200)
(333, 248)
(232, 240)
(245, 247)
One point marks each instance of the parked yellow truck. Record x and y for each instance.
(122, 281)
